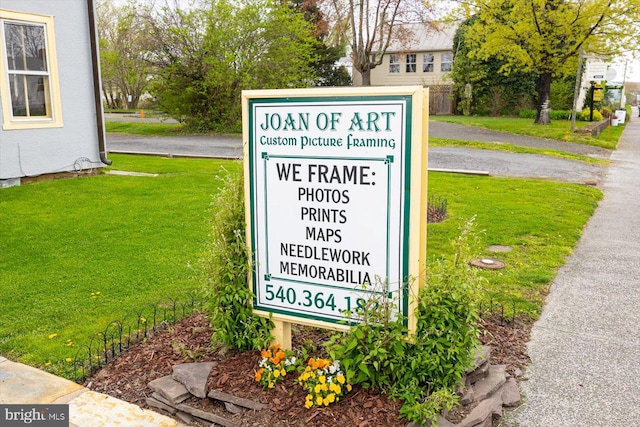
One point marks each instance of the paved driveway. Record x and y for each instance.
(495, 163)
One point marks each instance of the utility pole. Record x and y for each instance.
(576, 90)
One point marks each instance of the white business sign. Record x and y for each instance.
(329, 191)
(596, 70)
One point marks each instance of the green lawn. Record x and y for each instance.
(558, 129)
(138, 239)
(511, 148)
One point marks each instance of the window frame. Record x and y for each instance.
(52, 96)
(425, 63)
(411, 66)
(449, 61)
(394, 66)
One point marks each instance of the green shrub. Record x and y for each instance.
(424, 370)
(226, 267)
(560, 114)
(586, 113)
(527, 114)
(553, 114)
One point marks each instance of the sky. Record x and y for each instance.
(632, 67)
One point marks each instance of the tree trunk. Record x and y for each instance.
(544, 91)
(366, 77)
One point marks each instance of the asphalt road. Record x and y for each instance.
(491, 162)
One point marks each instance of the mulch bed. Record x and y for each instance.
(126, 377)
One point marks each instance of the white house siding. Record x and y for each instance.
(380, 76)
(32, 152)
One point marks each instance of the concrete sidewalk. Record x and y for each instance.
(585, 348)
(22, 384)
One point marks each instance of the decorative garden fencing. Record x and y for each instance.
(134, 327)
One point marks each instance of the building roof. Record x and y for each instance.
(425, 38)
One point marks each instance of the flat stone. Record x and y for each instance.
(170, 389)
(226, 397)
(481, 355)
(198, 413)
(157, 396)
(479, 373)
(230, 407)
(194, 376)
(184, 417)
(511, 393)
(483, 412)
(488, 386)
(467, 396)
(153, 403)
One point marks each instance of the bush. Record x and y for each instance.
(226, 267)
(553, 114)
(560, 114)
(425, 370)
(586, 113)
(527, 114)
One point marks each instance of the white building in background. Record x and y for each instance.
(52, 120)
(426, 59)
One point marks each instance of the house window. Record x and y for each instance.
(445, 61)
(427, 63)
(411, 63)
(28, 69)
(394, 63)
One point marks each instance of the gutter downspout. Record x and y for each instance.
(97, 89)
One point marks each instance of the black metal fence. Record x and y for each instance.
(502, 307)
(120, 334)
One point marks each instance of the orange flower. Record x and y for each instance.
(259, 374)
(265, 353)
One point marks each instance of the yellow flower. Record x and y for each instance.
(68, 360)
(331, 398)
(319, 400)
(47, 364)
(52, 336)
(317, 388)
(340, 379)
(335, 388)
(271, 384)
(308, 404)
(283, 372)
(325, 401)
(276, 374)
(322, 379)
(348, 387)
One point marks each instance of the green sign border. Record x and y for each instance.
(406, 162)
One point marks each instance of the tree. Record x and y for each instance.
(124, 42)
(478, 83)
(545, 36)
(371, 26)
(326, 56)
(206, 57)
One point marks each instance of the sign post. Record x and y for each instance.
(335, 186)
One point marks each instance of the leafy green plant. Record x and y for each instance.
(585, 115)
(226, 269)
(423, 370)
